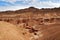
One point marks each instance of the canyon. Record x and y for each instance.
(33, 23)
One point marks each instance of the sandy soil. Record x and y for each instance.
(9, 32)
(12, 32)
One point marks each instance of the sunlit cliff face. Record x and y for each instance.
(41, 16)
(30, 24)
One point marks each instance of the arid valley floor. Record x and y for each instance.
(30, 24)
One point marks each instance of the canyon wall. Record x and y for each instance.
(32, 23)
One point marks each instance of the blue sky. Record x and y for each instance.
(21, 4)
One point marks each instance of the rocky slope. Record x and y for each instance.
(30, 24)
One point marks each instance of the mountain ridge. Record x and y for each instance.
(33, 9)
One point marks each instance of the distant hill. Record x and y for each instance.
(33, 9)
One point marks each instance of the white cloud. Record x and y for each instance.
(10, 1)
(13, 8)
(49, 4)
(35, 3)
(45, 4)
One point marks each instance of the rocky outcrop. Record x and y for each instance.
(32, 16)
(33, 24)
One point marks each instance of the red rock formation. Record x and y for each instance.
(35, 20)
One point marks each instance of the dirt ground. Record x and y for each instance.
(9, 31)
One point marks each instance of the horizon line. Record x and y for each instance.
(29, 7)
